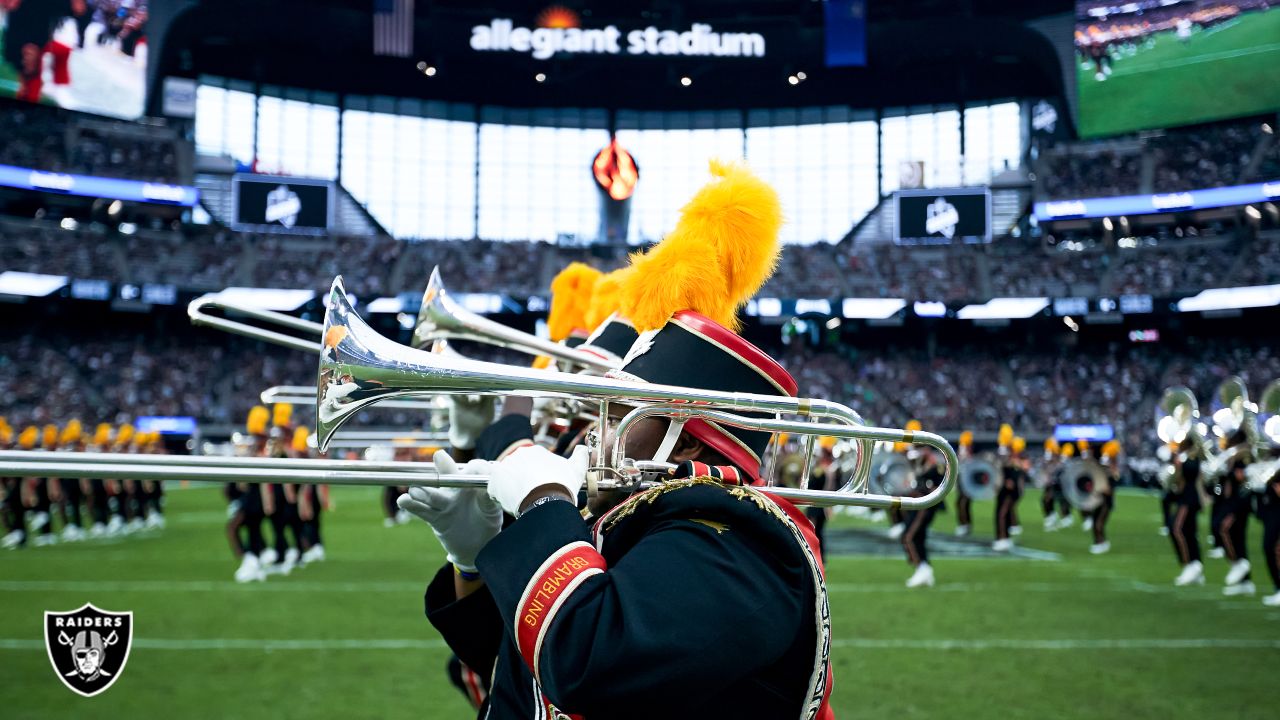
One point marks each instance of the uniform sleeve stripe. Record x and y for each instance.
(557, 577)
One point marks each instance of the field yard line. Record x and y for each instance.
(855, 643)
(1124, 70)
(281, 585)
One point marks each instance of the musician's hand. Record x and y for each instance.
(532, 472)
(463, 519)
(469, 415)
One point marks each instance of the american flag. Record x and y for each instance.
(393, 27)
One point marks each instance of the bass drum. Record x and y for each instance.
(979, 479)
(891, 474)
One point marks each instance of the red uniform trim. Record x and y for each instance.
(546, 592)
(754, 356)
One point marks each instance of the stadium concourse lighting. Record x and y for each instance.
(1236, 298)
(25, 284)
(1004, 309)
(685, 80)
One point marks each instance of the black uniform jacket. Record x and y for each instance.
(693, 600)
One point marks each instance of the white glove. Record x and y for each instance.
(469, 415)
(463, 519)
(515, 476)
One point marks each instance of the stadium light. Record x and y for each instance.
(871, 308)
(266, 298)
(25, 284)
(1231, 299)
(1004, 309)
(685, 80)
(540, 77)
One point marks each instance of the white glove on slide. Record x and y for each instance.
(463, 519)
(469, 415)
(515, 476)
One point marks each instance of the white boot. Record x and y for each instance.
(1217, 553)
(115, 526)
(896, 531)
(922, 577)
(313, 554)
(1015, 530)
(1051, 524)
(135, 525)
(403, 516)
(1192, 573)
(1066, 521)
(72, 533)
(269, 557)
(963, 530)
(1239, 569)
(290, 561)
(97, 530)
(44, 539)
(1241, 588)
(1101, 548)
(1163, 531)
(1087, 525)
(1272, 600)
(155, 521)
(250, 570)
(1004, 545)
(13, 539)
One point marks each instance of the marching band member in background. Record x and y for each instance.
(280, 500)
(44, 492)
(1064, 518)
(1111, 461)
(1182, 528)
(823, 475)
(1012, 479)
(12, 513)
(152, 491)
(245, 508)
(1051, 491)
(70, 440)
(1269, 514)
(99, 498)
(1237, 506)
(313, 500)
(964, 504)
(673, 580)
(915, 539)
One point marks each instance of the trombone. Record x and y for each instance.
(305, 395)
(359, 368)
(198, 309)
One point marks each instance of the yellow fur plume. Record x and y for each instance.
(721, 251)
(606, 298)
(257, 422)
(570, 297)
(281, 414)
(300, 436)
(27, 439)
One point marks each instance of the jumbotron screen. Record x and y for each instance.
(86, 55)
(1159, 63)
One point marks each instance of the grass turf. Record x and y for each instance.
(1221, 72)
(1088, 637)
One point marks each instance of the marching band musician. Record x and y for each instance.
(1049, 497)
(927, 475)
(1237, 505)
(1111, 461)
(245, 506)
(313, 499)
(43, 493)
(964, 504)
(280, 500)
(1268, 500)
(897, 518)
(1013, 478)
(823, 475)
(11, 511)
(99, 497)
(70, 440)
(700, 597)
(1064, 518)
(1182, 528)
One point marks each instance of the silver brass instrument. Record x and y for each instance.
(979, 479)
(1178, 420)
(307, 338)
(1263, 472)
(442, 318)
(1084, 483)
(305, 395)
(1233, 414)
(359, 367)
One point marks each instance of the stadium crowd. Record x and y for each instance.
(1203, 156)
(53, 139)
(100, 376)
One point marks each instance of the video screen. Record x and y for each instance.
(1159, 63)
(85, 55)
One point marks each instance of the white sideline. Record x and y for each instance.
(854, 643)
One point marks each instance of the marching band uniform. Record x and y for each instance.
(1182, 528)
(1269, 513)
(69, 505)
(14, 514)
(915, 539)
(964, 504)
(246, 512)
(897, 517)
(1111, 461)
(280, 500)
(700, 597)
(44, 492)
(1013, 481)
(1236, 505)
(1049, 496)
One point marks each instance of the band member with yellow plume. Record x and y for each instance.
(674, 580)
(926, 475)
(99, 497)
(12, 513)
(1012, 478)
(244, 511)
(964, 504)
(280, 500)
(1110, 456)
(1182, 526)
(897, 519)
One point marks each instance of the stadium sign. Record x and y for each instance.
(1168, 202)
(939, 217)
(542, 43)
(98, 187)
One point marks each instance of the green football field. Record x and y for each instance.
(1068, 635)
(1220, 72)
